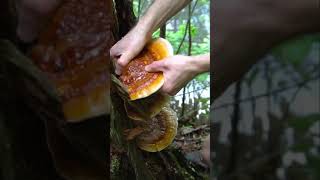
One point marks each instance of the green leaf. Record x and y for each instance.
(302, 147)
(202, 77)
(294, 51)
(302, 124)
(314, 164)
(316, 38)
(156, 34)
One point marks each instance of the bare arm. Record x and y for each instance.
(243, 31)
(179, 70)
(131, 44)
(159, 12)
(202, 63)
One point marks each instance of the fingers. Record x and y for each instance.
(128, 48)
(122, 57)
(156, 66)
(120, 60)
(163, 66)
(113, 52)
(125, 58)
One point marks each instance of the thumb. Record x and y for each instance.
(155, 66)
(124, 59)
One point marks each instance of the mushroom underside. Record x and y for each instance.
(159, 131)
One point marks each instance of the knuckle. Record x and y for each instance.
(122, 63)
(168, 89)
(164, 64)
(113, 53)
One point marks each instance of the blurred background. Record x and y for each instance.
(267, 125)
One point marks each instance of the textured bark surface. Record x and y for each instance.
(8, 20)
(23, 149)
(31, 117)
(127, 160)
(23, 146)
(36, 142)
(77, 40)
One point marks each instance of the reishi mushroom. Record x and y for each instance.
(156, 122)
(149, 107)
(139, 82)
(72, 52)
(159, 131)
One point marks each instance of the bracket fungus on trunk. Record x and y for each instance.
(148, 107)
(159, 131)
(73, 52)
(139, 82)
(157, 122)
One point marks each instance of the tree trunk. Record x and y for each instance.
(30, 118)
(24, 153)
(127, 160)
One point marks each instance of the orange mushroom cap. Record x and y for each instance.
(139, 82)
(73, 52)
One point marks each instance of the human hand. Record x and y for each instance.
(132, 43)
(177, 70)
(128, 47)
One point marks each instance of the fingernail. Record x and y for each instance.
(147, 68)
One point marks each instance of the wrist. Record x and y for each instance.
(200, 63)
(141, 33)
(145, 27)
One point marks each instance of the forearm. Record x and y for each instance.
(200, 63)
(158, 13)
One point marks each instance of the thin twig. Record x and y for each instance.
(197, 90)
(187, 25)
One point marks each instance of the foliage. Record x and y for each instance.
(306, 141)
(295, 51)
(177, 33)
(289, 144)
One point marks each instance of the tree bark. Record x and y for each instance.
(167, 164)
(28, 120)
(24, 153)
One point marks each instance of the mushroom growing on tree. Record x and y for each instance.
(156, 122)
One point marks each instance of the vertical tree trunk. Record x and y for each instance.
(130, 160)
(24, 152)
